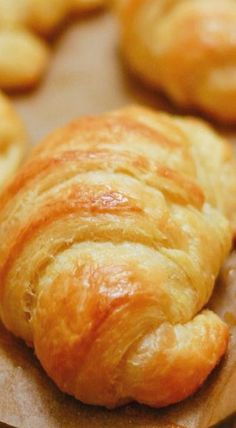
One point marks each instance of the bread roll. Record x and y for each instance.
(112, 236)
(12, 140)
(187, 48)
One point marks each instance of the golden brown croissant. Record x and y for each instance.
(12, 140)
(24, 55)
(187, 48)
(112, 236)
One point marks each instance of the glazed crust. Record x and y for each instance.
(13, 140)
(187, 48)
(112, 235)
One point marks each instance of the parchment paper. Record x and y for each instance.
(87, 76)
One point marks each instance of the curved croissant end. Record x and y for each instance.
(23, 59)
(111, 346)
(112, 237)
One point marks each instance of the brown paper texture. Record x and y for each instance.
(86, 76)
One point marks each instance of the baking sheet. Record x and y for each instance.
(86, 76)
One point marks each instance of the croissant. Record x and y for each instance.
(13, 140)
(186, 48)
(112, 236)
(24, 56)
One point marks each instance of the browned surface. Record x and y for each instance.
(86, 76)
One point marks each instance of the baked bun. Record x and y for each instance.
(112, 236)
(187, 48)
(12, 140)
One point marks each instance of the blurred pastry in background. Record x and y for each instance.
(24, 55)
(13, 140)
(187, 48)
(43, 16)
(23, 58)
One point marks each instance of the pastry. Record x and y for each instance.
(186, 48)
(12, 140)
(113, 234)
(24, 55)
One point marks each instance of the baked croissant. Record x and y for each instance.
(112, 236)
(24, 55)
(187, 48)
(13, 140)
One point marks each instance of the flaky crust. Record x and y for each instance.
(187, 48)
(24, 55)
(13, 140)
(112, 237)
